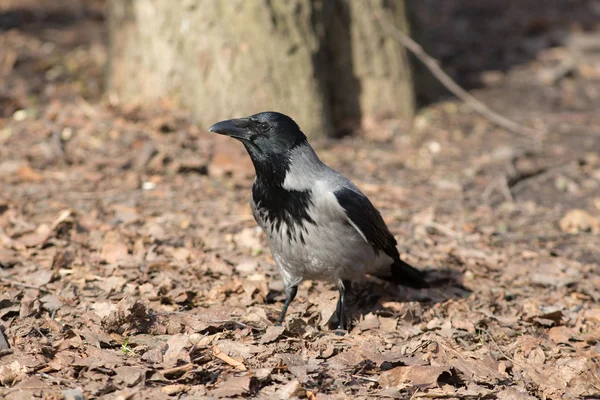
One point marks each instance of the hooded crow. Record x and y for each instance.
(319, 225)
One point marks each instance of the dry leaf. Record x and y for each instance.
(237, 364)
(575, 221)
(130, 376)
(233, 387)
(273, 333)
(416, 375)
(114, 249)
(175, 350)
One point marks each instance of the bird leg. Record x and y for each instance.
(342, 287)
(290, 294)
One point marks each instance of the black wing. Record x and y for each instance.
(370, 224)
(368, 221)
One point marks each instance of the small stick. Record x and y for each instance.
(176, 370)
(25, 285)
(217, 352)
(452, 86)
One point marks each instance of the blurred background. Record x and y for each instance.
(111, 187)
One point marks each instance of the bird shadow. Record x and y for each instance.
(374, 296)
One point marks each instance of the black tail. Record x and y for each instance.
(406, 275)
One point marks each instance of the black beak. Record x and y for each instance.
(236, 128)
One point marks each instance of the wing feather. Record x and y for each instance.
(365, 218)
(369, 223)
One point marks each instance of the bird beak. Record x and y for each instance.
(235, 128)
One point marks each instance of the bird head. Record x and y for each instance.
(265, 135)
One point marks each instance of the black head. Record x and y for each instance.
(265, 135)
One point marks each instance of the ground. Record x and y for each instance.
(131, 268)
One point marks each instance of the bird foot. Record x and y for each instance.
(340, 332)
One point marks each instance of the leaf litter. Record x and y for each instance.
(130, 266)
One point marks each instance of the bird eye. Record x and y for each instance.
(263, 127)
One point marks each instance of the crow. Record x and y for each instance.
(319, 225)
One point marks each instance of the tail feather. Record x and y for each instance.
(406, 275)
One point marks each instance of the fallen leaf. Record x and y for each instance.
(12, 373)
(237, 364)
(560, 334)
(575, 221)
(27, 174)
(130, 376)
(172, 390)
(175, 350)
(409, 376)
(273, 333)
(233, 387)
(73, 394)
(36, 238)
(114, 249)
(290, 390)
(248, 238)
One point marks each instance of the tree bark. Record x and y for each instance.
(371, 72)
(326, 63)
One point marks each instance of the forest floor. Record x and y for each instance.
(131, 267)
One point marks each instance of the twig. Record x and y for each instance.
(511, 359)
(452, 86)
(442, 228)
(217, 352)
(176, 370)
(25, 285)
(365, 378)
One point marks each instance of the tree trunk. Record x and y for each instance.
(323, 62)
(371, 73)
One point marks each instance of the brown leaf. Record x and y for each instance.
(237, 364)
(51, 303)
(576, 221)
(8, 258)
(154, 356)
(248, 238)
(62, 359)
(548, 318)
(514, 394)
(130, 376)
(232, 387)
(114, 248)
(416, 375)
(175, 352)
(36, 238)
(273, 333)
(237, 349)
(560, 334)
(62, 260)
(291, 390)
(593, 315)
(463, 324)
(27, 174)
(345, 359)
(12, 373)
(473, 369)
(100, 358)
(172, 390)
(129, 314)
(369, 322)
(73, 394)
